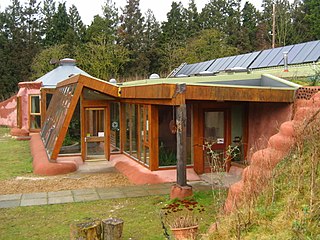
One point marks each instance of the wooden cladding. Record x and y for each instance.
(157, 91)
(222, 93)
(164, 93)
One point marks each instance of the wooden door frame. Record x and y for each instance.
(199, 110)
(95, 104)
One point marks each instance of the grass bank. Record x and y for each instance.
(15, 156)
(289, 207)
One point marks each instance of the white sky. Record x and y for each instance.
(160, 8)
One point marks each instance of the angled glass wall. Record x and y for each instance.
(56, 115)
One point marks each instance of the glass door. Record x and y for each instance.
(95, 133)
(214, 140)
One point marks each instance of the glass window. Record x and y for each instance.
(131, 130)
(35, 113)
(72, 141)
(167, 137)
(56, 115)
(237, 128)
(137, 129)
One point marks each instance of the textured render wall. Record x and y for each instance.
(258, 173)
(26, 89)
(264, 121)
(25, 106)
(8, 112)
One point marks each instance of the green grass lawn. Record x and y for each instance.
(141, 217)
(15, 156)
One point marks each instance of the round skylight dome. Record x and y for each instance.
(154, 76)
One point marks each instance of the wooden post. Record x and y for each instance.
(182, 145)
(112, 229)
(181, 189)
(88, 230)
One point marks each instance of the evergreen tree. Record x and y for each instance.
(214, 15)
(76, 24)
(312, 18)
(193, 19)
(48, 11)
(59, 26)
(174, 30)
(264, 32)
(174, 36)
(249, 26)
(300, 31)
(16, 68)
(151, 46)
(131, 37)
(110, 13)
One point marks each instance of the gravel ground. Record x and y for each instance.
(28, 184)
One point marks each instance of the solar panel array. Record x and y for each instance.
(297, 54)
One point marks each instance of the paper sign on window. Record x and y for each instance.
(220, 140)
(100, 134)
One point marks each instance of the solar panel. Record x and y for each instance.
(294, 52)
(273, 53)
(208, 64)
(260, 58)
(236, 60)
(216, 65)
(305, 51)
(202, 66)
(277, 59)
(227, 63)
(250, 59)
(183, 70)
(314, 55)
(192, 66)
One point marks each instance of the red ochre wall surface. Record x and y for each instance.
(264, 120)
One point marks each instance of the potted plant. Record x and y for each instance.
(182, 216)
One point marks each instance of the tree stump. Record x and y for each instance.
(112, 229)
(86, 231)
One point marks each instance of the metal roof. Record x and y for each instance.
(66, 69)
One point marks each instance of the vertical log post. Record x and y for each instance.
(182, 145)
(112, 229)
(181, 189)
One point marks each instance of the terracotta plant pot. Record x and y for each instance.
(189, 233)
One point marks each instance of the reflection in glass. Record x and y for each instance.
(72, 140)
(114, 127)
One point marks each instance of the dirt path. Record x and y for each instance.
(32, 183)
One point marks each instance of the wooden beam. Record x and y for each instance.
(107, 132)
(71, 80)
(99, 85)
(83, 130)
(154, 137)
(64, 129)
